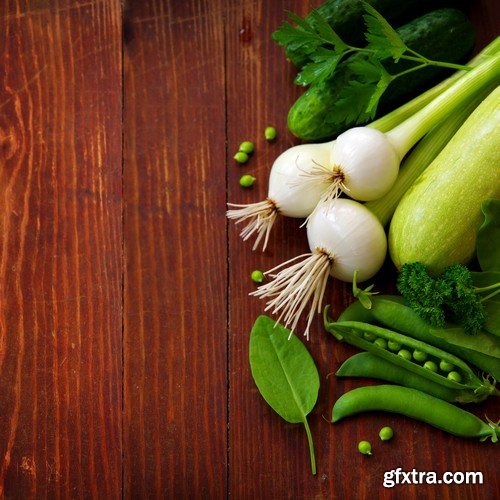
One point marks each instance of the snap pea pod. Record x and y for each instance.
(481, 350)
(367, 336)
(368, 365)
(417, 405)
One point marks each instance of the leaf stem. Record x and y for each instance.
(481, 289)
(311, 446)
(409, 70)
(492, 294)
(431, 62)
(405, 135)
(394, 118)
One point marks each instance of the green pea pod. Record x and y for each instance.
(365, 335)
(368, 365)
(481, 350)
(417, 405)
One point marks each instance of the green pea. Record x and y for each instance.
(404, 353)
(419, 356)
(247, 180)
(393, 345)
(369, 336)
(365, 447)
(247, 147)
(455, 376)
(380, 342)
(241, 157)
(446, 366)
(430, 365)
(386, 433)
(270, 133)
(257, 276)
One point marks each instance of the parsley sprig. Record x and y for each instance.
(360, 97)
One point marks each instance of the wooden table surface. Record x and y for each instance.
(124, 308)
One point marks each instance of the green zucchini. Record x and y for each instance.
(346, 18)
(444, 34)
(438, 218)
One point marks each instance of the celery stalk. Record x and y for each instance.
(421, 157)
(394, 118)
(405, 135)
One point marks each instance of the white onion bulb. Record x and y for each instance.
(288, 194)
(343, 236)
(352, 235)
(367, 161)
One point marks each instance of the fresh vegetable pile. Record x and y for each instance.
(421, 183)
(331, 104)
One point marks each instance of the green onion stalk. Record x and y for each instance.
(396, 117)
(421, 157)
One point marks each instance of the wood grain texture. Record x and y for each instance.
(60, 249)
(267, 454)
(124, 308)
(175, 251)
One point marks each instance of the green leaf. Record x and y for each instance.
(367, 69)
(492, 309)
(328, 33)
(358, 100)
(488, 238)
(312, 36)
(363, 295)
(487, 279)
(296, 38)
(325, 62)
(384, 80)
(353, 100)
(284, 373)
(300, 21)
(382, 85)
(483, 342)
(381, 37)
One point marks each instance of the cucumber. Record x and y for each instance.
(438, 218)
(346, 18)
(444, 34)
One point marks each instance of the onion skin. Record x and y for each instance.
(351, 235)
(285, 188)
(368, 161)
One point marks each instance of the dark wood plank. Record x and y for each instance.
(265, 453)
(175, 251)
(86, 247)
(60, 250)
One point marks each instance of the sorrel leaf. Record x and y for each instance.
(284, 373)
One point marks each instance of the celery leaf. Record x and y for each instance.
(381, 37)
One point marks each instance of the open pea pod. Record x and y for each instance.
(369, 365)
(481, 350)
(374, 339)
